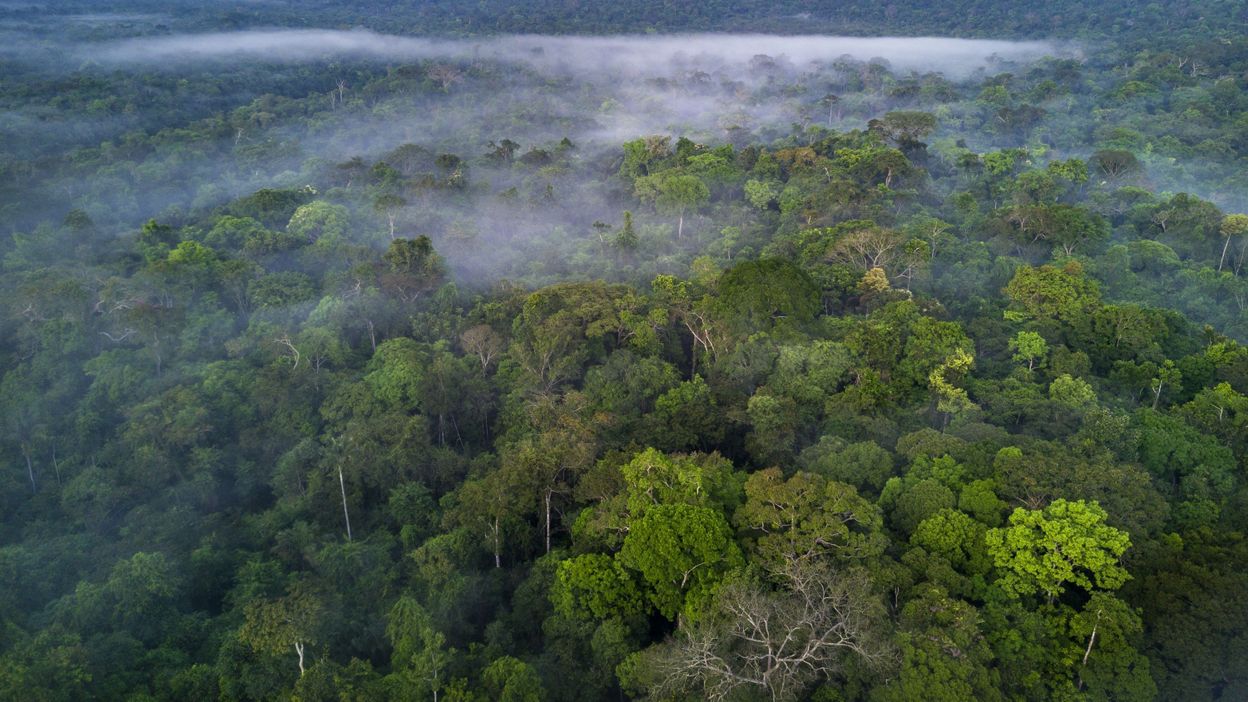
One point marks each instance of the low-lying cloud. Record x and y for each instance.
(616, 54)
(594, 91)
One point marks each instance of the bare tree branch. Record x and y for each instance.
(774, 644)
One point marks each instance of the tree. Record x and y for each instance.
(563, 326)
(483, 342)
(271, 207)
(687, 417)
(912, 500)
(873, 165)
(769, 644)
(1066, 543)
(1189, 224)
(951, 399)
(696, 312)
(863, 464)
(905, 129)
(444, 74)
(805, 518)
(1049, 292)
(653, 478)
(760, 295)
(320, 219)
(1221, 412)
(1193, 599)
(627, 238)
(761, 193)
(562, 447)
(25, 418)
(1232, 225)
(503, 152)
(944, 654)
(916, 258)
(419, 653)
(491, 507)
(510, 679)
(956, 537)
(1030, 347)
(641, 154)
(1197, 467)
(413, 268)
(673, 193)
(830, 101)
(1104, 635)
(1114, 164)
(1071, 227)
(389, 204)
(595, 586)
(1072, 393)
(773, 427)
(1168, 374)
(681, 552)
(932, 230)
(869, 247)
(273, 626)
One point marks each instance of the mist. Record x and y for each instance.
(535, 90)
(618, 54)
(605, 90)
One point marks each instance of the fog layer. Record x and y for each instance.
(575, 54)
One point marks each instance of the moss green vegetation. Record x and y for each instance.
(454, 378)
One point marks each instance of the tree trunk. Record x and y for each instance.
(680, 225)
(299, 650)
(498, 559)
(1088, 652)
(342, 485)
(547, 501)
(30, 469)
(1224, 248)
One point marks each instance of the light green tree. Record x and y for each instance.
(1029, 347)
(595, 586)
(319, 219)
(1072, 392)
(761, 193)
(1049, 292)
(682, 553)
(1066, 543)
(655, 478)
(951, 399)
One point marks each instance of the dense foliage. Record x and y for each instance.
(352, 380)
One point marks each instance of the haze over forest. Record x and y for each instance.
(620, 350)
